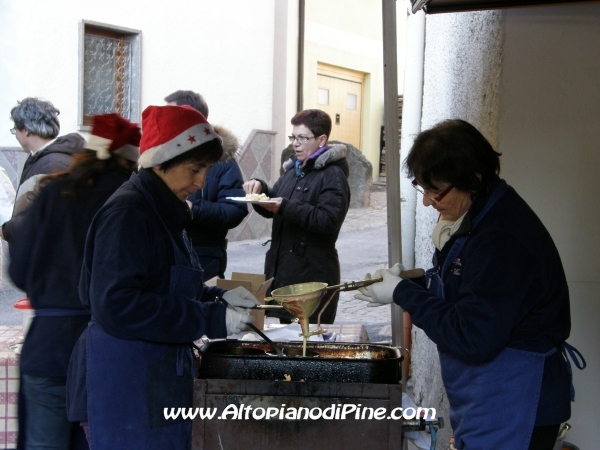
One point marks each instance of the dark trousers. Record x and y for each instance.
(544, 438)
(46, 424)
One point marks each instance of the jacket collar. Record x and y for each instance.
(174, 213)
(69, 144)
(467, 223)
(334, 153)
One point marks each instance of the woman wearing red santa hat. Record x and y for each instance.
(143, 284)
(46, 257)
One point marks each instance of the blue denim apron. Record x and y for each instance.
(145, 377)
(493, 405)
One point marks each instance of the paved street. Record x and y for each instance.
(362, 247)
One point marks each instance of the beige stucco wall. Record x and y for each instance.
(222, 49)
(349, 35)
(549, 135)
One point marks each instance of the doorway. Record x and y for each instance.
(339, 94)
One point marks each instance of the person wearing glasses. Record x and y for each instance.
(36, 128)
(310, 202)
(496, 302)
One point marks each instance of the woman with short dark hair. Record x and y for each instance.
(143, 284)
(311, 200)
(497, 303)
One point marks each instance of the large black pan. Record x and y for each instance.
(336, 362)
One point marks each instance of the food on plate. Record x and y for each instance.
(259, 197)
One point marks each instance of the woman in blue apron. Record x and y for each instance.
(46, 256)
(497, 301)
(143, 285)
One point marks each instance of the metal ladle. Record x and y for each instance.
(276, 348)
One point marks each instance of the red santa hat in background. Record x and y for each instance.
(111, 133)
(169, 131)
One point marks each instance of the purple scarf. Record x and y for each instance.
(315, 155)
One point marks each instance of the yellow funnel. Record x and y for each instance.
(301, 300)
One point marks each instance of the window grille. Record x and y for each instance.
(107, 76)
(110, 81)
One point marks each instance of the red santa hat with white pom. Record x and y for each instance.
(169, 131)
(111, 133)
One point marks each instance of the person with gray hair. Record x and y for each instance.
(189, 98)
(36, 127)
(37, 116)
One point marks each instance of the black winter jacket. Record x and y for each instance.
(307, 225)
(46, 257)
(55, 157)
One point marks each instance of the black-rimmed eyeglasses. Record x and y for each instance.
(300, 139)
(13, 131)
(438, 197)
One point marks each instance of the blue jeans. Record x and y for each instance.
(46, 424)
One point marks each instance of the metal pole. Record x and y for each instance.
(392, 156)
(301, 21)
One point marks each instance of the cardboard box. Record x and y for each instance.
(254, 282)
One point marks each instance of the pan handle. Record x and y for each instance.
(414, 274)
(265, 307)
(353, 285)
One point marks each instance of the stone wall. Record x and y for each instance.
(361, 174)
(255, 161)
(12, 160)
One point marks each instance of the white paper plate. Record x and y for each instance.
(245, 200)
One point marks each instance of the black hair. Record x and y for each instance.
(453, 152)
(207, 153)
(317, 121)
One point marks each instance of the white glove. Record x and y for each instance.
(240, 297)
(379, 294)
(236, 321)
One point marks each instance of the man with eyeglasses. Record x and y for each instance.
(309, 205)
(36, 128)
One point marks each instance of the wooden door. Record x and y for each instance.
(341, 98)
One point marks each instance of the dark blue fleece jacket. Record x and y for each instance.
(46, 257)
(126, 269)
(507, 288)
